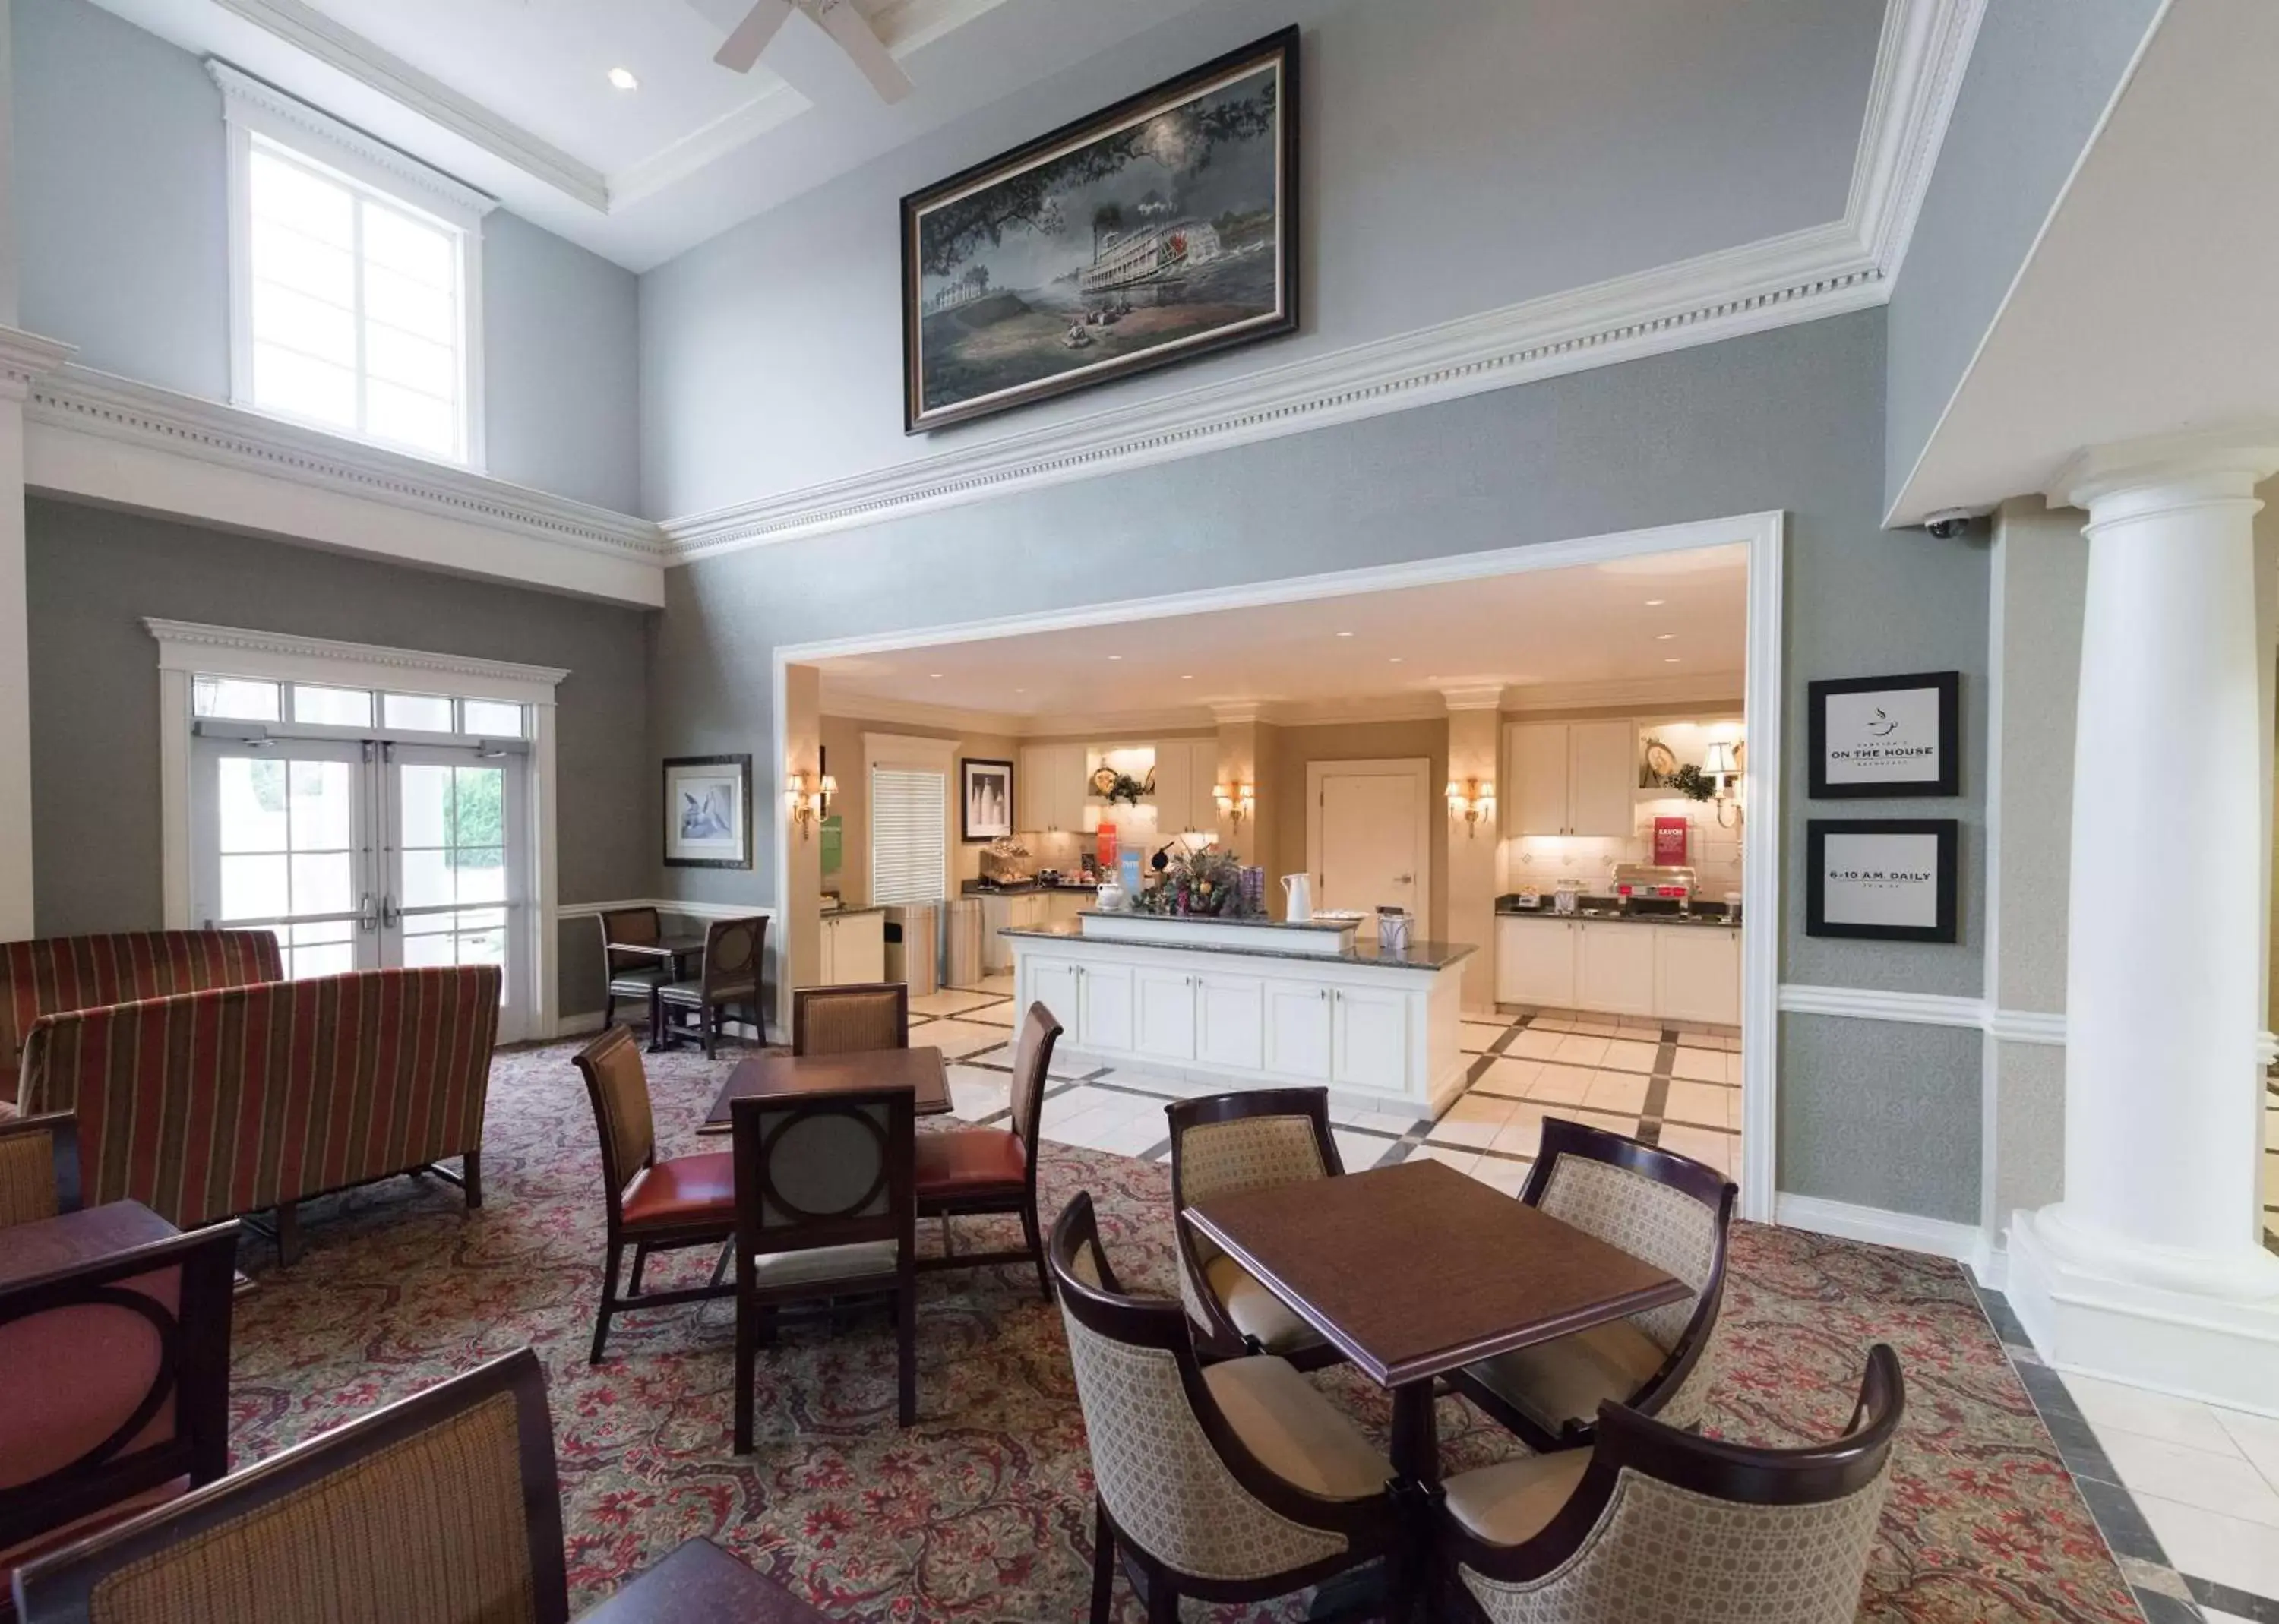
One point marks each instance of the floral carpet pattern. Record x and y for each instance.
(981, 1513)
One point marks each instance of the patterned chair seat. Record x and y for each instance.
(1294, 1432)
(1513, 1501)
(1561, 1384)
(1256, 1311)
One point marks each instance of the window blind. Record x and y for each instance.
(910, 835)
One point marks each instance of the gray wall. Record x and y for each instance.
(1791, 419)
(94, 574)
(1458, 157)
(2040, 77)
(121, 216)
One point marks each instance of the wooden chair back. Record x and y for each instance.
(443, 1507)
(117, 1377)
(1224, 1144)
(617, 1086)
(846, 1020)
(1032, 1060)
(638, 926)
(39, 1167)
(825, 1170)
(731, 959)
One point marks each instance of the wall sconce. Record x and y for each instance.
(1718, 761)
(1471, 799)
(806, 798)
(1236, 802)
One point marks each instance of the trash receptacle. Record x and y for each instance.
(913, 947)
(964, 943)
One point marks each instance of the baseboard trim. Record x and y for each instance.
(1963, 1242)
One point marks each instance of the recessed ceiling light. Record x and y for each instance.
(624, 80)
(1395, 660)
(1655, 603)
(1116, 656)
(934, 674)
(1345, 634)
(1186, 676)
(1670, 659)
(1663, 637)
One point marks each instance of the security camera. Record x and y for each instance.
(1948, 523)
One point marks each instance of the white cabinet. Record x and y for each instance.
(1104, 995)
(1535, 961)
(1055, 984)
(1050, 794)
(1229, 1021)
(1164, 1018)
(854, 949)
(1186, 772)
(1298, 1029)
(1571, 778)
(1698, 973)
(1613, 967)
(1369, 1037)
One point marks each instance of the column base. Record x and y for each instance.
(2085, 1314)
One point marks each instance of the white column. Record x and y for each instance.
(22, 358)
(2152, 1260)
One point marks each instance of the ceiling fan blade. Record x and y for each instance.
(751, 36)
(844, 24)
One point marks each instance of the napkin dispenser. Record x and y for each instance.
(1395, 928)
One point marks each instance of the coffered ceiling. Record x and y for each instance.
(514, 96)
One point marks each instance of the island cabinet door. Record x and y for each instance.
(1163, 1024)
(1106, 992)
(1230, 1021)
(1370, 1038)
(1297, 1030)
(1052, 982)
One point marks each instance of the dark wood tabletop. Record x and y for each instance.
(47, 1245)
(700, 1583)
(1416, 1269)
(782, 1076)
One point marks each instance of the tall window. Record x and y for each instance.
(355, 278)
(910, 835)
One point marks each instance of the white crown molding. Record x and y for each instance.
(1804, 276)
(1480, 696)
(186, 646)
(840, 707)
(343, 50)
(1717, 688)
(700, 149)
(258, 106)
(25, 358)
(1234, 713)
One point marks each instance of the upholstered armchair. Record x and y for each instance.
(1223, 1144)
(654, 1204)
(1668, 1209)
(39, 1167)
(1654, 1523)
(969, 1171)
(734, 950)
(1231, 1482)
(846, 1020)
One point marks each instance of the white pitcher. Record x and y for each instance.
(1299, 889)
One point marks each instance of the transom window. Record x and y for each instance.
(308, 704)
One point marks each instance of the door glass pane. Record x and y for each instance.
(422, 713)
(254, 887)
(482, 874)
(427, 878)
(488, 719)
(323, 949)
(323, 883)
(332, 707)
(320, 801)
(252, 803)
(235, 698)
(480, 818)
(427, 794)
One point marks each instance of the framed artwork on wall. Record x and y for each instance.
(1884, 879)
(707, 812)
(1158, 229)
(1886, 738)
(986, 799)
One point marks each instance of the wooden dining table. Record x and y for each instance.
(68, 1240)
(783, 1076)
(1416, 1270)
(668, 951)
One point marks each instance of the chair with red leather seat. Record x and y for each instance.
(969, 1171)
(654, 1206)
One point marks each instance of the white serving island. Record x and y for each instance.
(1255, 1003)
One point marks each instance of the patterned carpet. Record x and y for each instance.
(982, 1513)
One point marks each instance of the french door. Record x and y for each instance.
(365, 852)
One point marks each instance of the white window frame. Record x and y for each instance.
(254, 111)
(187, 651)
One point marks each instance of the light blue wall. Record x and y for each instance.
(1458, 157)
(2040, 77)
(121, 191)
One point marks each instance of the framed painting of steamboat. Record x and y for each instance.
(1161, 228)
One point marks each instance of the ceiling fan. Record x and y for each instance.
(839, 19)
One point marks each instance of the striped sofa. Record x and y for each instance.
(239, 1100)
(54, 973)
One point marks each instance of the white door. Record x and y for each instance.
(1230, 1021)
(1534, 962)
(1163, 1023)
(1614, 968)
(1371, 835)
(1370, 1038)
(1105, 993)
(451, 850)
(1297, 1030)
(282, 836)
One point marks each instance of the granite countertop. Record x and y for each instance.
(874, 908)
(1416, 956)
(975, 888)
(1260, 921)
(1708, 915)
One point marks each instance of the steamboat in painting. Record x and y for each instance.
(1162, 228)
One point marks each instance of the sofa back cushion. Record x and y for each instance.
(206, 1105)
(55, 973)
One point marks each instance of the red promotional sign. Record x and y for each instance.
(1670, 836)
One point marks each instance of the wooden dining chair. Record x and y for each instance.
(39, 1167)
(634, 975)
(444, 1507)
(118, 1382)
(735, 951)
(1224, 1144)
(825, 1209)
(1655, 1522)
(653, 1205)
(971, 1171)
(848, 1019)
(1672, 1211)
(1231, 1482)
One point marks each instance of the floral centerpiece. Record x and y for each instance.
(1205, 885)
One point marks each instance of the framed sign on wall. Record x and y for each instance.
(1886, 879)
(1886, 737)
